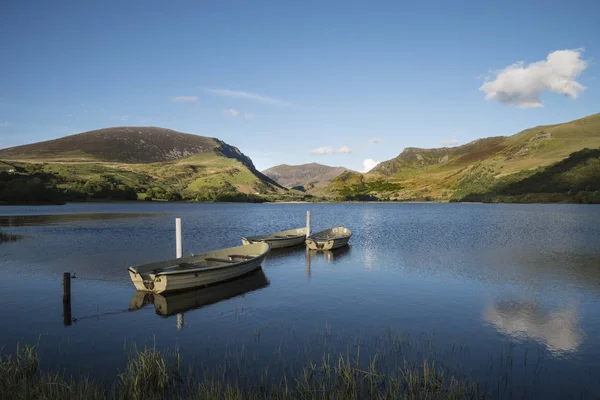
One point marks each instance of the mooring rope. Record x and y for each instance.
(73, 276)
(106, 314)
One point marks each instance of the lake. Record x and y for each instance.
(516, 287)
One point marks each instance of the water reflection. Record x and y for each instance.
(331, 256)
(167, 304)
(557, 330)
(41, 220)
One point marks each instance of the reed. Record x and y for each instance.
(153, 374)
(7, 237)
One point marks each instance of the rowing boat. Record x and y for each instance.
(329, 239)
(167, 304)
(198, 270)
(278, 240)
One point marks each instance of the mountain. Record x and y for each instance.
(150, 161)
(474, 168)
(307, 176)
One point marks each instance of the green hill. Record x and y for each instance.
(452, 173)
(131, 162)
(574, 179)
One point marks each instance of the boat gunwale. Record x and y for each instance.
(201, 269)
(265, 237)
(255, 239)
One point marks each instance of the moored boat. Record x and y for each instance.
(168, 304)
(278, 240)
(198, 270)
(329, 239)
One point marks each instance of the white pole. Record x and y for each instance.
(178, 241)
(179, 249)
(308, 223)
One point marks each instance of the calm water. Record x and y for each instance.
(510, 282)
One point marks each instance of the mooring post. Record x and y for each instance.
(179, 250)
(307, 223)
(67, 298)
(307, 263)
(179, 243)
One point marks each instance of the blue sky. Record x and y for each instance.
(335, 82)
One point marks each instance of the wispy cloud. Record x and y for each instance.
(449, 142)
(184, 99)
(522, 85)
(369, 164)
(376, 140)
(248, 115)
(248, 95)
(4, 124)
(232, 112)
(331, 150)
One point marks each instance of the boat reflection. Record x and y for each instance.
(331, 256)
(557, 330)
(169, 304)
(285, 252)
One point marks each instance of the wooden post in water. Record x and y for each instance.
(179, 243)
(307, 223)
(67, 298)
(179, 251)
(307, 254)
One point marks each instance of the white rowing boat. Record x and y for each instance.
(329, 239)
(198, 270)
(278, 240)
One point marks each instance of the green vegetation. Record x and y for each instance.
(575, 179)
(37, 188)
(490, 169)
(131, 163)
(151, 374)
(352, 186)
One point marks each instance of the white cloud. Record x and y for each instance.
(248, 115)
(450, 142)
(248, 95)
(523, 85)
(5, 123)
(332, 150)
(232, 111)
(376, 140)
(184, 99)
(369, 164)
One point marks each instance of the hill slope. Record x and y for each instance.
(455, 172)
(154, 162)
(309, 176)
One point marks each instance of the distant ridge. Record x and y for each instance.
(308, 176)
(130, 144)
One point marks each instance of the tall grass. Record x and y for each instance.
(153, 374)
(7, 237)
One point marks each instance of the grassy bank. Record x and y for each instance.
(152, 374)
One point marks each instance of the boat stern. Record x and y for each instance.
(148, 282)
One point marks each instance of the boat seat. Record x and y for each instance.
(223, 260)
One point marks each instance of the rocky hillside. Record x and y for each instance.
(477, 167)
(152, 162)
(306, 176)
